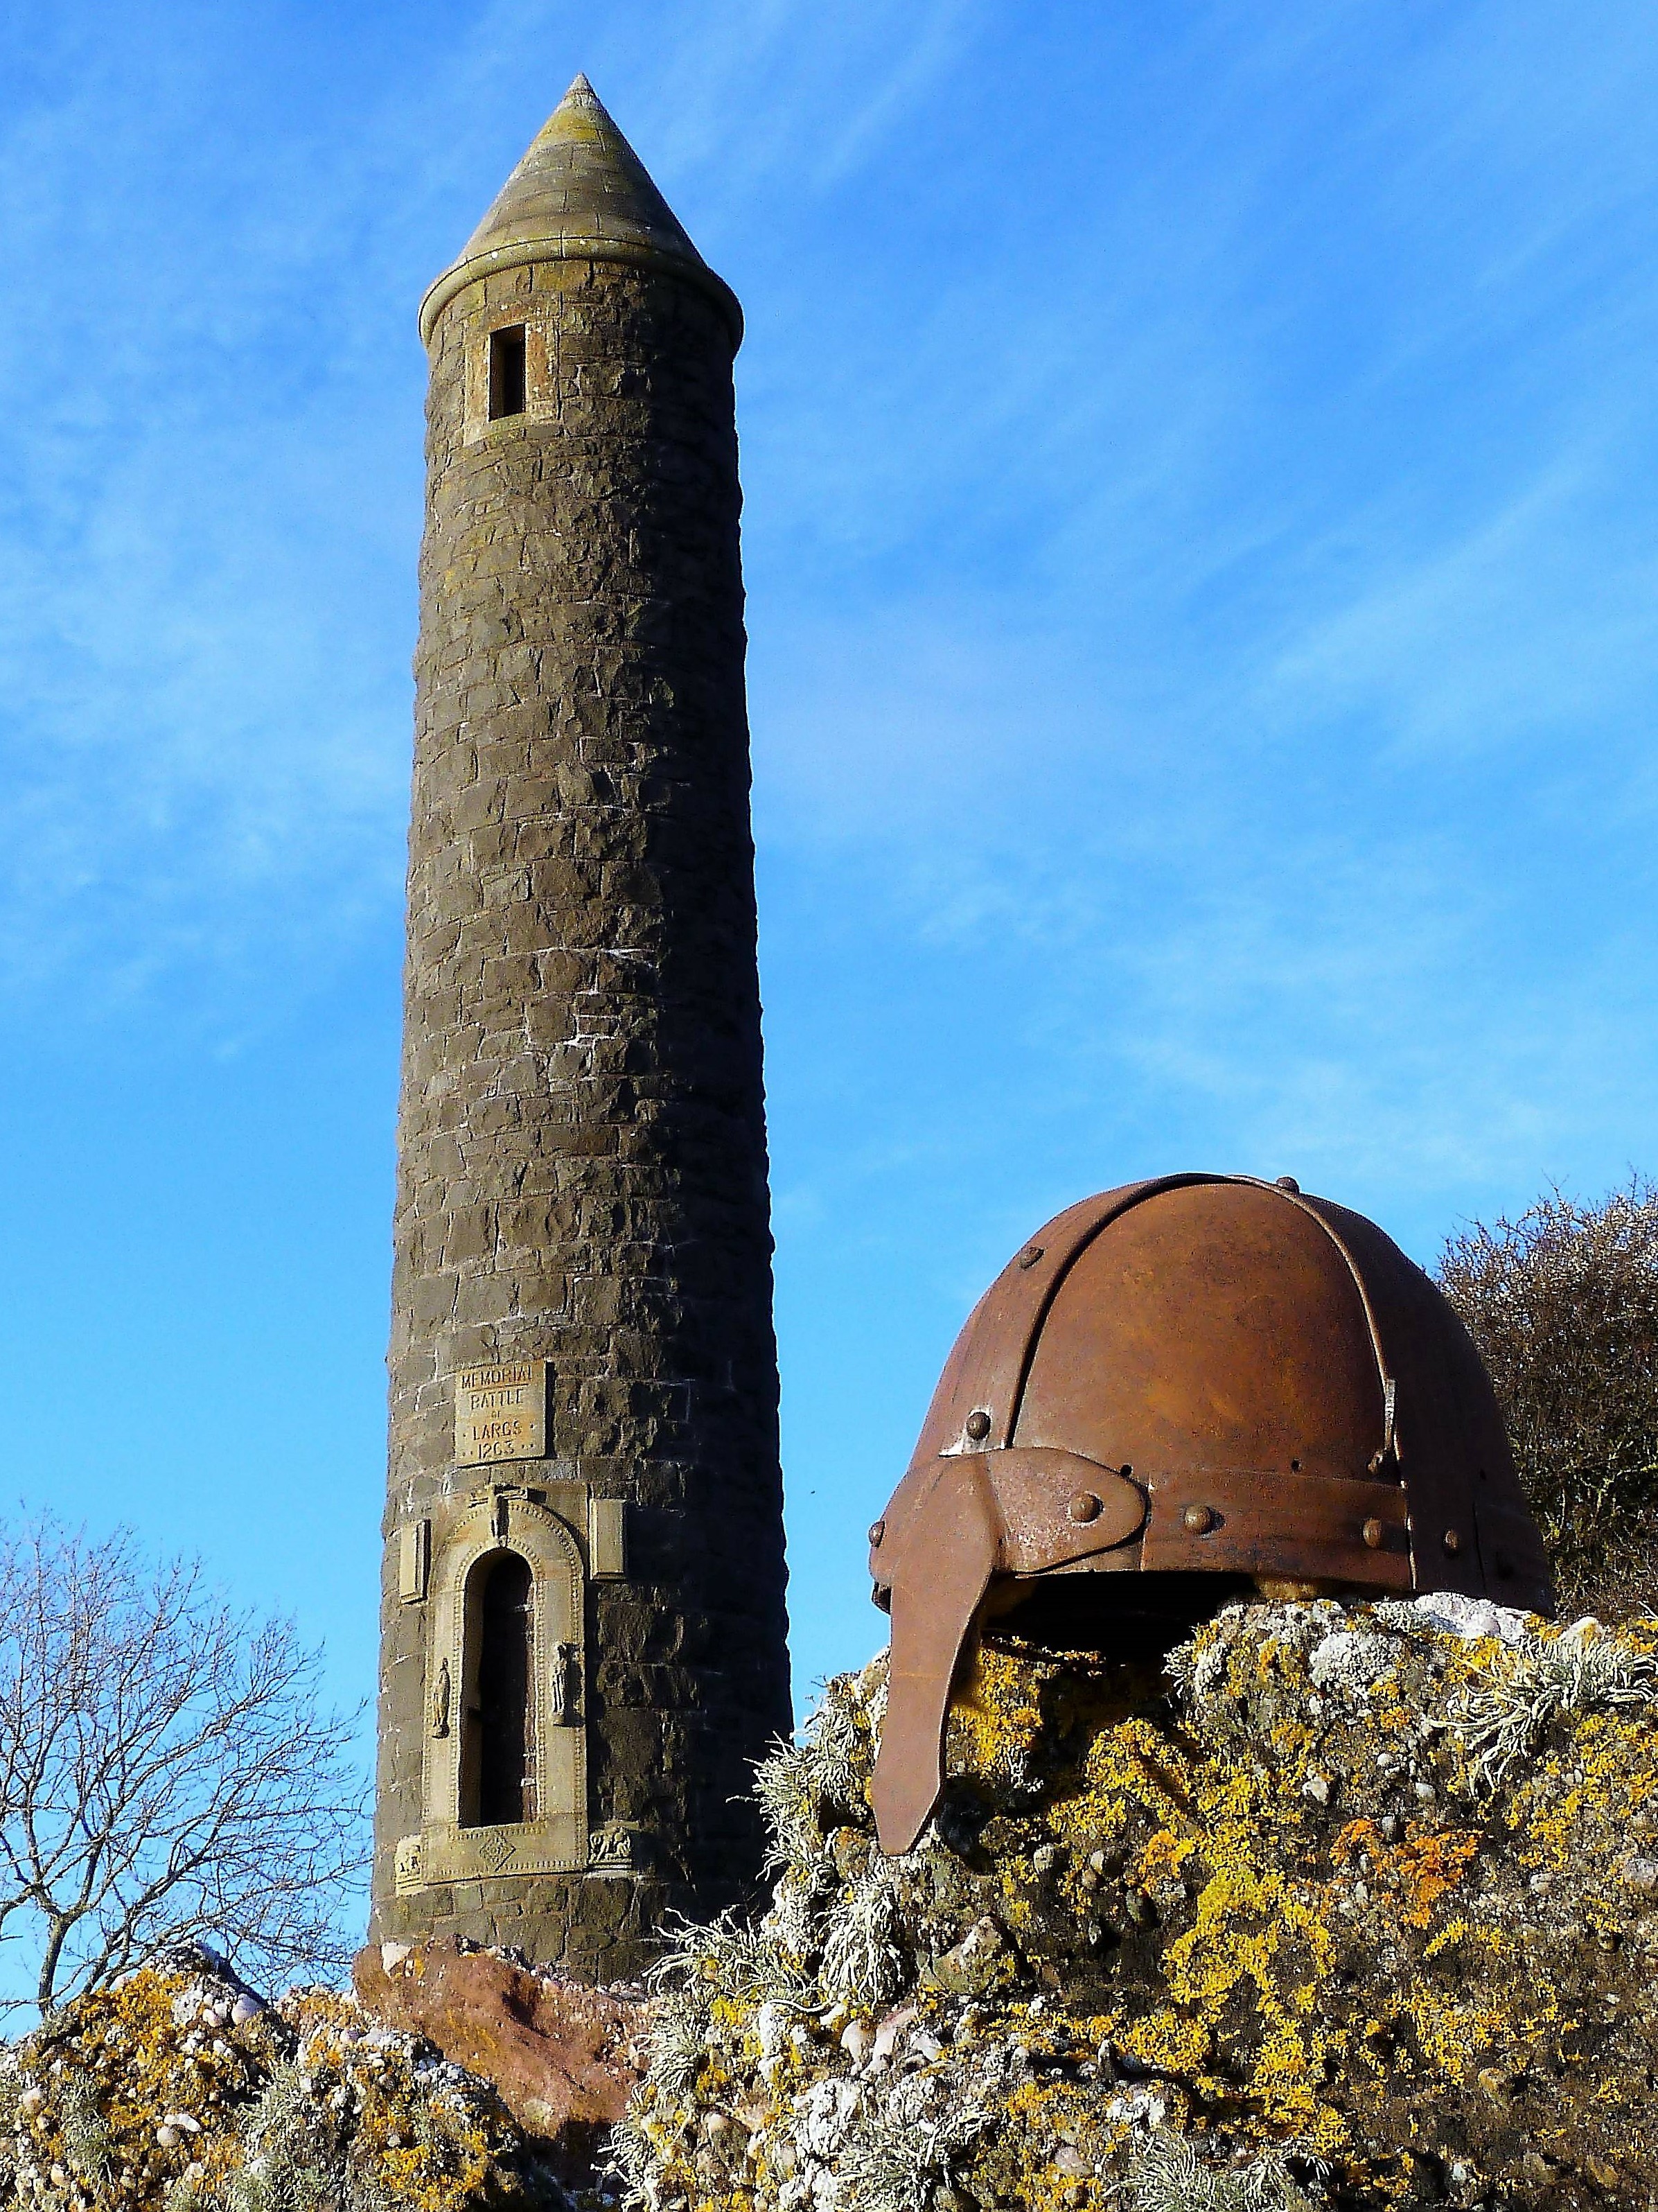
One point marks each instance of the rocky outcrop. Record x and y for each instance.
(1357, 1907)
(176, 2090)
(1354, 1909)
(560, 2054)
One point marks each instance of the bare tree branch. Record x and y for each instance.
(166, 1770)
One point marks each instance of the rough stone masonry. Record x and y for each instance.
(583, 1627)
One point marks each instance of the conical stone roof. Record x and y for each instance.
(580, 194)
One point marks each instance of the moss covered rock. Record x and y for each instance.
(1355, 1905)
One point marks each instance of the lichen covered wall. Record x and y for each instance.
(1360, 1908)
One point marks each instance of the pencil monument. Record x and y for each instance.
(583, 1628)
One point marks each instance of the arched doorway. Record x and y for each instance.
(497, 1765)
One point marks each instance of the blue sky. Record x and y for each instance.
(1202, 517)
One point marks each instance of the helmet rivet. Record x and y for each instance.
(1084, 1506)
(877, 1529)
(1198, 1519)
(1374, 1535)
(1030, 1255)
(1452, 1541)
(1289, 1184)
(978, 1424)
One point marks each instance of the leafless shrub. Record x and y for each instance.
(1563, 1303)
(166, 1772)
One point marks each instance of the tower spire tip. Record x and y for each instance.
(579, 193)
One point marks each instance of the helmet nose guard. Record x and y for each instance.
(1202, 1374)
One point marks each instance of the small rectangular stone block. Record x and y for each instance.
(607, 1538)
(414, 1561)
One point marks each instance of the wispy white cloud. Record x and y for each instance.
(213, 451)
(1194, 506)
(1538, 621)
(1200, 532)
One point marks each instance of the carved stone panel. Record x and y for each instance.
(554, 1839)
(501, 1412)
(414, 1561)
(410, 1868)
(607, 1539)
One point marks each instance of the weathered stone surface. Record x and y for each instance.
(581, 1136)
(561, 2054)
(1352, 1911)
(176, 2087)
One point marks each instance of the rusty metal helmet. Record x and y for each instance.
(1196, 1377)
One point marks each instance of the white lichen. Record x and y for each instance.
(863, 1958)
(1503, 1717)
(1447, 1612)
(1350, 1663)
(1168, 2175)
(787, 1788)
(909, 2144)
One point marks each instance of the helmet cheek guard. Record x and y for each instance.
(954, 1526)
(1198, 1376)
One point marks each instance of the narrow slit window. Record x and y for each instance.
(506, 372)
(498, 1783)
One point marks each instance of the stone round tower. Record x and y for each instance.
(583, 1624)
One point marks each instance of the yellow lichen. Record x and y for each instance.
(1294, 1914)
(1420, 1869)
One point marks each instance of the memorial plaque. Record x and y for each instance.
(501, 1412)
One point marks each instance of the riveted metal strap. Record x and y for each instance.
(1242, 1521)
(952, 1521)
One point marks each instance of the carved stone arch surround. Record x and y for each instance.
(556, 1840)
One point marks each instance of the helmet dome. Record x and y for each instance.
(1192, 1377)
